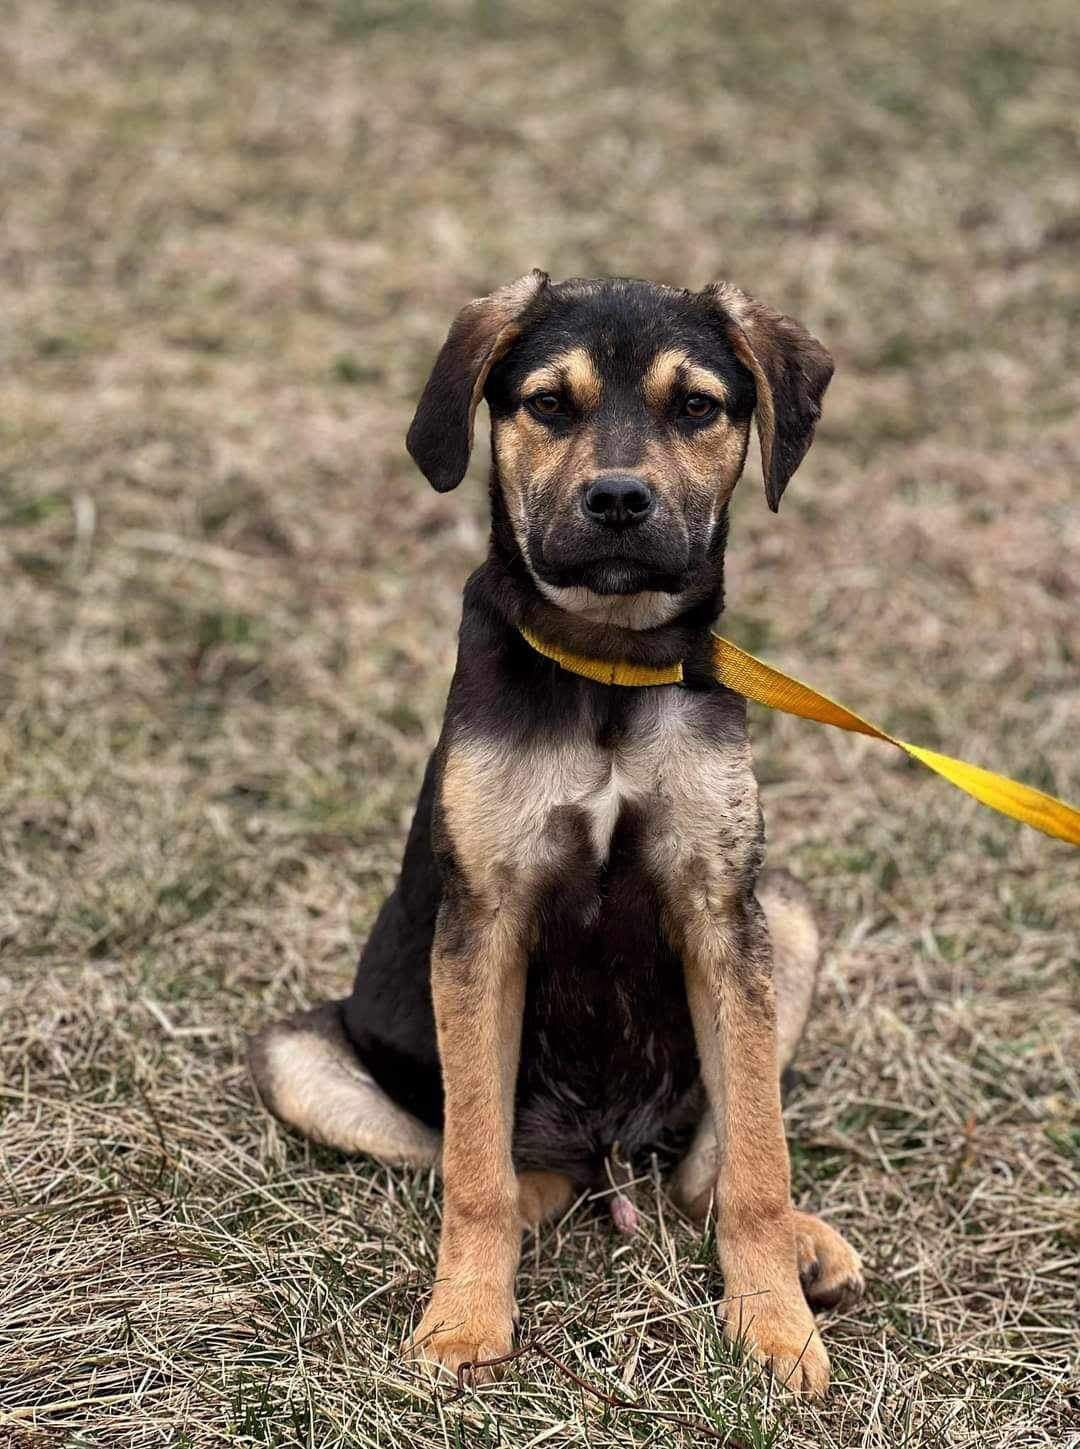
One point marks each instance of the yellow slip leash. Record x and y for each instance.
(755, 680)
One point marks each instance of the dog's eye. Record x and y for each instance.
(546, 404)
(699, 407)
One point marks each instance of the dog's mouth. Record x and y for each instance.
(632, 563)
(613, 577)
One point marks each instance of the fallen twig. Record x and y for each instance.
(535, 1345)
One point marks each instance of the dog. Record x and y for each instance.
(582, 962)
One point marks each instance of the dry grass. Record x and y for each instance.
(231, 239)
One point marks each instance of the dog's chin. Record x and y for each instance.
(618, 578)
(613, 578)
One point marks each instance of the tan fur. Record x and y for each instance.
(543, 1196)
(536, 464)
(706, 463)
(704, 856)
(796, 945)
(478, 991)
(542, 474)
(503, 813)
(755, 1228)
(671, 368)
(307, 1073)
(574, 371)
(309, 1076)
(646, 610)
(795, 949)
(470, 1317)
(503, 802)
(478, 964)
(497, 317)
(829, 1267)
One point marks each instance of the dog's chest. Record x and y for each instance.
(581, 784)
(541, 806)
(617, 778)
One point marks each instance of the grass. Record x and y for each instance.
(232, 238)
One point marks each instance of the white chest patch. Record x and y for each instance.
(634, 771)
(506, 808)
(603, 805)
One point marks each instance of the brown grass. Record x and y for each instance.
(232, 237)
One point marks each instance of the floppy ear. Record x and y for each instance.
(791, 371)
(441, 434)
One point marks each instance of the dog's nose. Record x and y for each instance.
(618, 500)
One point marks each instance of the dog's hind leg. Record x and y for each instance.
(796, 955)
(543, 1196)
(830, 1269)
(309, 1076)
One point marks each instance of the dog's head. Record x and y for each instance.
(620, 418)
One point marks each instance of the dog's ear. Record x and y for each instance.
(791, 371)
(441, 434)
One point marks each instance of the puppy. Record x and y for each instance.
(581, 957)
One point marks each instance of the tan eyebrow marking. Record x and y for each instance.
(672, 367)
(573, 370)
(539, 378)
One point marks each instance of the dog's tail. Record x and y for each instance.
(309, 1076)
(796, 946)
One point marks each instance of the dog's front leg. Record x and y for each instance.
(728, 967)
(478, 984)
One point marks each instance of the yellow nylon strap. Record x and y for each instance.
(750, 677)
(758, 681)
(604, 671)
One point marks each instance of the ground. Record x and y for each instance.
(232, 237)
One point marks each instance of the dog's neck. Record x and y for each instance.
(636, 629)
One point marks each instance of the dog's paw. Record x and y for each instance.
(789, 1346)
(449, 1336)
(830, 1269)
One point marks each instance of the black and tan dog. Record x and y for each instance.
(580, 954)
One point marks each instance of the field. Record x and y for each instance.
(231, 239)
